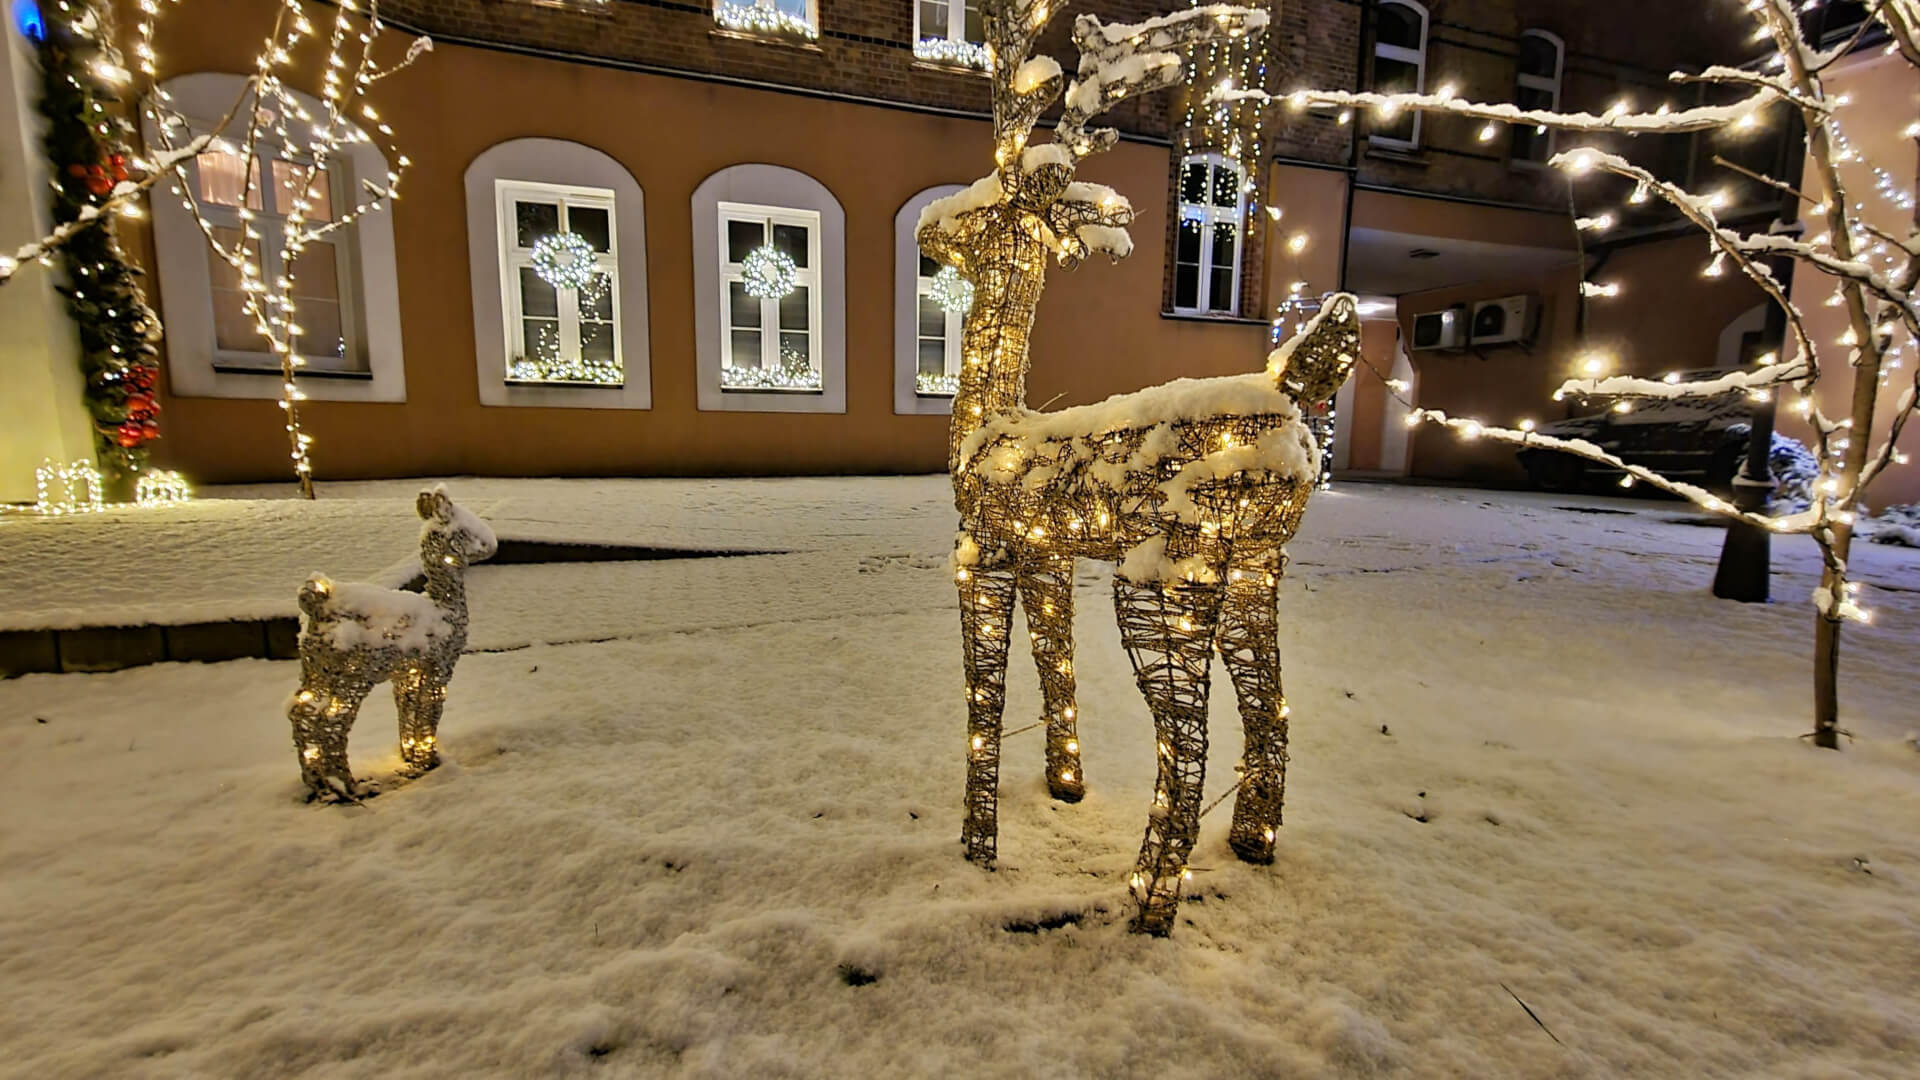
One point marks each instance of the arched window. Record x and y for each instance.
(926, 335)
(1399, 67)
(1542, 56)
(347, 288)
(949, 32)
(1207, 247)
(542, 344)
(784, 353)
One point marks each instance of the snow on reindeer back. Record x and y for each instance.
(357, 615)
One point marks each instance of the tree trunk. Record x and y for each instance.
(1826, 682)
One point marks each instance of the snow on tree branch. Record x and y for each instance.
(1674, 122)
(121, 200)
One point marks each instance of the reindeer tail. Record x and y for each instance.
(316, 596)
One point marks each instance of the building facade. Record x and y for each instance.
(679, 139)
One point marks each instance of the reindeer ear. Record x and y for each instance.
(1314, 363)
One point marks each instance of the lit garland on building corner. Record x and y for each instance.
(768, 273)
(954, 51)
(265, 113)
(754, 19)
(87, 145)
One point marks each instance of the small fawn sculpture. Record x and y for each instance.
(1192, 488)
(354, 636)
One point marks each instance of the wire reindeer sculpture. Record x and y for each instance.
(1192, 488)
(354, 636)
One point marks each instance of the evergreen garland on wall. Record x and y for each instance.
(87, 144)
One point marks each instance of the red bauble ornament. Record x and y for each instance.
(117, 165)
(128, 436)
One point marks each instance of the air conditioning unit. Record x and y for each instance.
(1441, 329)
(1508, 319)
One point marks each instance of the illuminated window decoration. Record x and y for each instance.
(768, 274)
(161, 487)
(952, 292)
(789, 18)
(564, 261)
(559, 271)
(936, 384)
(950, 32)
(353, 637)
(770, 308)
(73, 488)
(1207, 247)
(1191, 489)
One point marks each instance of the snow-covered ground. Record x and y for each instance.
(700, 817)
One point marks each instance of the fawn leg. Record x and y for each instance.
(1249, 642)
(419, 693)
(986, 617)
(1168, 634)
(1046, 594)
(322, 718)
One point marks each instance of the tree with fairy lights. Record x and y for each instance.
(97, 178)
(1874, 271)
(87, 144)
(270, 120)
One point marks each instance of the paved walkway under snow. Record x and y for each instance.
(686, 800)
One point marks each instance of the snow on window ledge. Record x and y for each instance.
(754, 19)
(953, 53)
(782, 380)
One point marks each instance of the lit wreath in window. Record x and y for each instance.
(564, 261)
(768, 274)
(952, 292)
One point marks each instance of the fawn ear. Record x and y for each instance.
(1313, 363)
(432, 504)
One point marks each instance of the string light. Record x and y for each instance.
(754, 19)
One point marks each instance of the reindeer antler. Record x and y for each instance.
(1126, 60)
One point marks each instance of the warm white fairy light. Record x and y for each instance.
(754, 19)
(161, 487)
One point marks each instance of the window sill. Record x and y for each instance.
(785, 40)
(1212, 317)
(559, 384)
(950, 69)
(303, 373)
(1399, 155)
(771, 390)
(934, 397)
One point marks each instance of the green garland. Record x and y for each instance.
(87, 142)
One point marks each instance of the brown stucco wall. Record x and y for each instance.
(1099, 332)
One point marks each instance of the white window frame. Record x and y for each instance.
(1209, 215)
(1541, 82)
(954, 31)
(908, 286)
(788, 189)
(806, 277)
(572, 166)
(1402, 54)
(513, 258)
(365, 256)
(269, 221)
(720, 6)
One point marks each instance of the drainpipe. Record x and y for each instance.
(1353, 144)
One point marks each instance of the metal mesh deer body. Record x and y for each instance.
(1192, 488)
(353, 637)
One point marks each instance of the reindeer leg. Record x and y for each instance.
(1249, 643)
(419, 693)
(1168, 634)
(1046, 594)
(986, 617)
